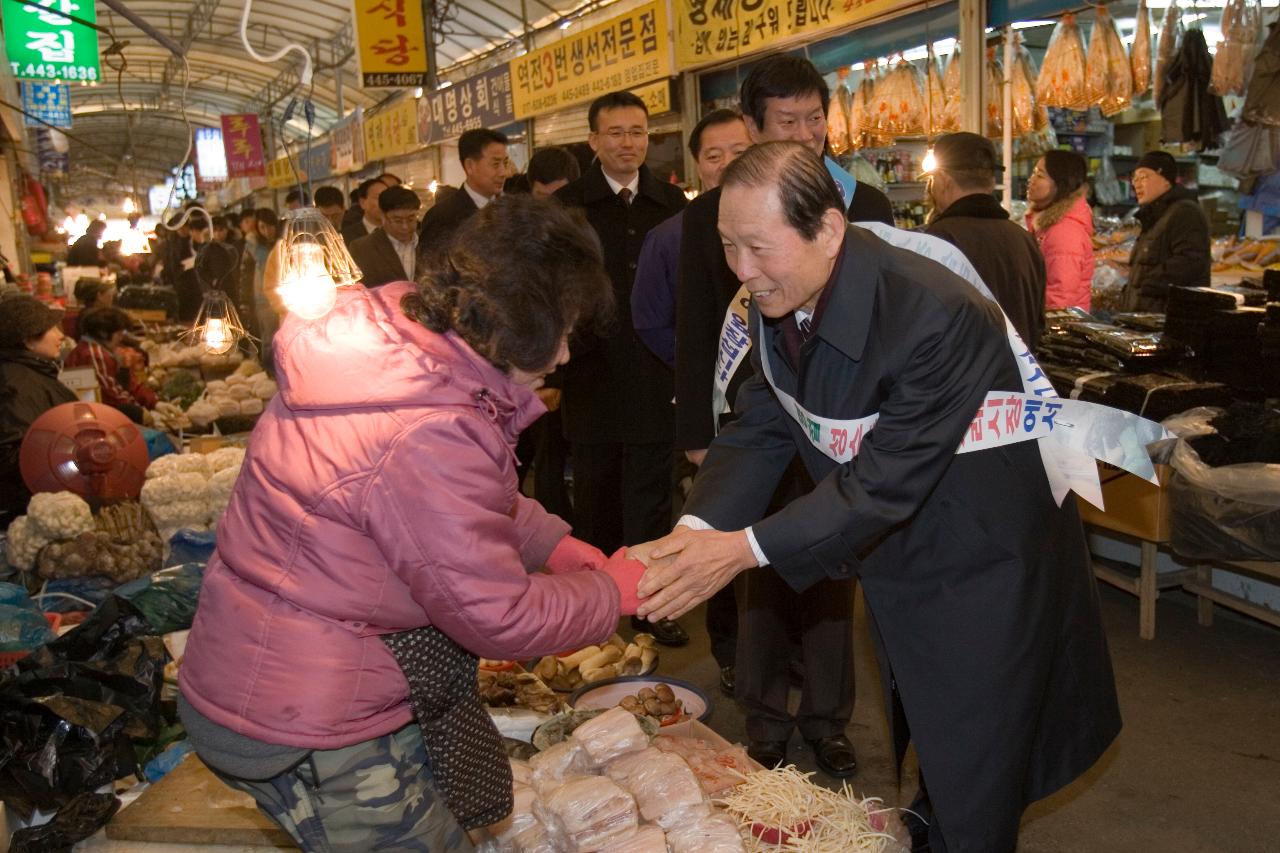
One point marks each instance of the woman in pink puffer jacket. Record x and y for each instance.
(379, 496)
(1062, 222)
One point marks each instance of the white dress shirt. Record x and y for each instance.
(480, 200)
(634, 186)
(408, 254)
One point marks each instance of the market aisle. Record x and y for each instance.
(1196, 769)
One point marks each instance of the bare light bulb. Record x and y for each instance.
(129, 206)
(216, 337)
(310, 291)
(929, 163)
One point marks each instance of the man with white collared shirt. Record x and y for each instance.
(483, 153)
(366, 196)
(392, 251)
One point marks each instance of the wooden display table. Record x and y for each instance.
(192, 806)
(1202, 587)
(1139, 511)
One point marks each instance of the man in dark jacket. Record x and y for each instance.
(617, 394)
(782, 98)
(366, 196)
(392, 252)
(1173, 247)
(85, 252)
(966, 214)
(30, 339)
(483, 153)
(986, 613)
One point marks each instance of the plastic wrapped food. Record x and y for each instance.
(1241, 29)
(663, 783)
(717, 770)
(552, 766)
(534, 839)
(838, 115)
(862, 125)
(993, 78)
(615, 732)
(899, 103)
(1167, 46)
(1028, 116)
(620, 769)
(935, 99)
(649, 839)
(951, 88)
(1140, 50)
(715, 833)
(588, 814)
(521, 817)
(1109, 79)
(1062, 74)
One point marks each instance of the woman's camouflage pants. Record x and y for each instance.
(375, 795)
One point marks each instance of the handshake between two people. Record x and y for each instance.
(665, 578)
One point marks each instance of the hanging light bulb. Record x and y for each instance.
(314, 263)
(929, 163)
(129, 207)
(218, 329)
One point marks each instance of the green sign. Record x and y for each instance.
(44, 44)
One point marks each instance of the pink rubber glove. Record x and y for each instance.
(626, 574)
(574, 555)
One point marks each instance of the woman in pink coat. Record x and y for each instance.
(376, 543)
(1061, 221)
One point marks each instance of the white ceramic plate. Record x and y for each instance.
(606, 694)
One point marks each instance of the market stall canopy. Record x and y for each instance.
(134, 118)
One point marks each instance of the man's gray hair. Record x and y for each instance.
(804, 186)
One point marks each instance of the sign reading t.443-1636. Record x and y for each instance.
(43, 43)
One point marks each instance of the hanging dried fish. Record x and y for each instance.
(1062, 75)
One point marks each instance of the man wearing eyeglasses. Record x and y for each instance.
(616, 401)
(483, 153)
(392, 251)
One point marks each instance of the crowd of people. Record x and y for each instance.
(581, 317)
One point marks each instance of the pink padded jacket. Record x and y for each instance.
(378, 494)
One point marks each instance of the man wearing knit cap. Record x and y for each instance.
(30, 340)
(966, 213)
(1173, 248)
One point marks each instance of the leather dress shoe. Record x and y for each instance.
(834, 756)
(664, 631)
(726, 680)
(768, 753)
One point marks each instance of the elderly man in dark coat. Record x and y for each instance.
(977, 581)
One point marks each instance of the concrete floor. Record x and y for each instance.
(1197, 767)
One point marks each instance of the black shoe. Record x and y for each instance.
(726, 680)
(665, 631)
(768, 753)
(834, 756)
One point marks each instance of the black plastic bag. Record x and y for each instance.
(74, 822)
(71, 711)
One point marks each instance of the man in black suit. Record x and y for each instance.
(483, 153)
(617, 394)
(366, 196)
(391, 252)
(782, 98)
(991, 646)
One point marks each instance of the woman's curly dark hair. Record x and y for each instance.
(513, 280)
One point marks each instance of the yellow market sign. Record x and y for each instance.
(622, 53)
(392, 131)
(656, 96)
(392, 43)
(727, 29)
(280, 173)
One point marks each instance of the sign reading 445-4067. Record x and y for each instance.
(44, 44)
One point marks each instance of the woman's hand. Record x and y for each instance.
(626, 573)
(574, 555)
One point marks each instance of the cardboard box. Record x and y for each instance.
(1134, 506)
(205, 443)
(83, 381)
(694, 728)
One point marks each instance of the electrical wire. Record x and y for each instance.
(304, 76)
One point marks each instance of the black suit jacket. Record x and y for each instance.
(704, 287)
(979, 584)
(376, 256)
(444, 217)
(615, 388)
(353, 231)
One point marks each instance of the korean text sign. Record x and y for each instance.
(392, 43)
(391, 131)
(48, 101)
(621, 53)
(44, 44)
(242, 140)
(480, 101)
(714, 30)
(348, 143)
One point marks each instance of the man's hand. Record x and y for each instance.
(696, 456)
(687, 567)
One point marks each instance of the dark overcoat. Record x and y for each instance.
(615, 389)
(978, 583)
